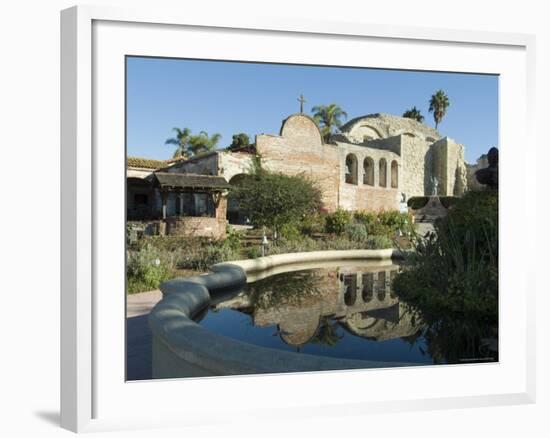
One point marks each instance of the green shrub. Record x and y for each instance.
(394, 219)
(385, 223)
(367, 218)
(356, 232)
(170, 243)
(417, 202)
(212, 255)
(448, 201)
(336, 222)
(313, 224)
(253, 252)
(308, 244)
(379, 242)
(233, 239)
(454, 271)
(193, 252)
(147, 268)
(274, 199)
(290, 232)
(452, 280)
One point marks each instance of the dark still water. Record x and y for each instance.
(347, 312)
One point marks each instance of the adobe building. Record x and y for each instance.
(374, 163)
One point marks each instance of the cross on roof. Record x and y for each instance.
(302, 100)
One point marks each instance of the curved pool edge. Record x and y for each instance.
(269, 262)
(183, 348)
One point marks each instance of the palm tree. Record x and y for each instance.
(414, 113)
(328, 117)
(181, 141)
(202, 143)
(327, 334)
(439, 103)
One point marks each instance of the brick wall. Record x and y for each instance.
(196, 226)
(300, 150)
(361, 196)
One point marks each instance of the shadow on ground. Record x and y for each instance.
(138, 348)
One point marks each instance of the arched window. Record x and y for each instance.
(394, 174)
(382, 170)
(368, 287)
(350, 289)
(368, 171)
(351, 169)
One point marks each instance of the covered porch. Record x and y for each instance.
(192, 204)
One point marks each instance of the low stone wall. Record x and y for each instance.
(182, 348)
(196, 226)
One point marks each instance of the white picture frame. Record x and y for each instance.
(93, 396)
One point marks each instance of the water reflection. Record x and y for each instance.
(347, 312)
(313, 306)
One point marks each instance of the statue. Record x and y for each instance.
(403, 207)
(489, 176)
(434, 182)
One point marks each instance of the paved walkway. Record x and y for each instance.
(142, 303)
(138, 342)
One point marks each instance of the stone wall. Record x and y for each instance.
(416, 157)
(388, 144)
(449, 167)
(196, 226)
(300, 150)
(205, 165)
(386, 125)
(361, 196)
(234, 163)
(134, 172)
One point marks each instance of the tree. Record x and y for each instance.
(274, 199)
(327, 118)
(414, 113)
(439, 103)
(181, 141)
(327, 334)
(239, 140)
(202, 143)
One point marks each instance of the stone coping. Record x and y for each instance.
(183, 348)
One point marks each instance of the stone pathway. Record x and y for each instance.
(142, 303)
(138, 341)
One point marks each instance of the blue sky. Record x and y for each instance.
(232, 97)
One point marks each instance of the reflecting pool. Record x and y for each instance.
(347, 312)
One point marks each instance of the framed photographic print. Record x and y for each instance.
(245, 229)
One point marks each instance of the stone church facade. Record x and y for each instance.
(374, 163)
(367, 166)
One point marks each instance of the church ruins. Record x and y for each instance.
(375, 162)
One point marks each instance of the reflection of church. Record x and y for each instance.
(360, 299)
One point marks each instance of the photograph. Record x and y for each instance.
(287, 218)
